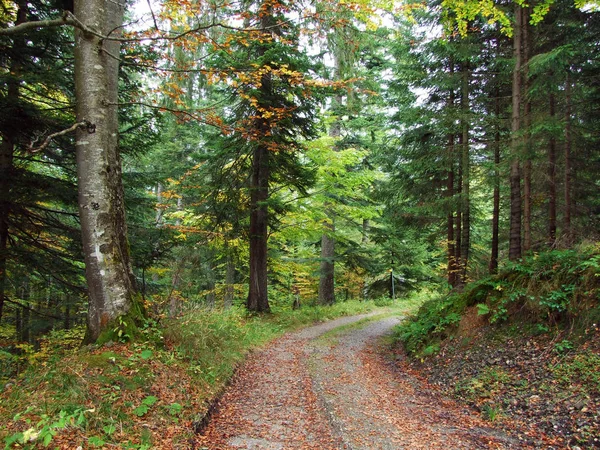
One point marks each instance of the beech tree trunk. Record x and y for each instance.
(515, 166)
(111, 284)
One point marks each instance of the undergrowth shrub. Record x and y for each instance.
(554, 287)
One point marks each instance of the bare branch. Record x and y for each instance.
(91, 128)
(67, 18)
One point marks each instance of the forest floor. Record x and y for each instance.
(518, 379)
(334, 386)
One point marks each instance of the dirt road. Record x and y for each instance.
(329, 386)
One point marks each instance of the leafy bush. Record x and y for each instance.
(8, 365)
(544, 288)
(431, 322)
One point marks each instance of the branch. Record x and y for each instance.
(39, 313)
(89, 126)
(25, 26)
(67, 18)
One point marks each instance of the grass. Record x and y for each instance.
(139, 395)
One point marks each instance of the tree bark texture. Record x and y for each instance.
(258, 299)
(111, 284)
(515, 166)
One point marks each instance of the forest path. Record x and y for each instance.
(329, 386)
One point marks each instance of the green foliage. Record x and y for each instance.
(142, 409)
(46, 428)
(431, 323)
(550, 287)
(8, 365)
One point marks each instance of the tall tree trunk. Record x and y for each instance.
(451, 247)
(211, 296)
(493, 267)
(466, 174)
(111, 284)
(257, 297)
(552, 179)
(26, 312)
(568, 232)
(458, 225)
(515, 166)
(327, 271)
(527, 169)
(7, 148)
(229, 280)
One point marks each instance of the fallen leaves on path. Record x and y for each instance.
(303, 393)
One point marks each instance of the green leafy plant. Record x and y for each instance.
(145, 406)
(46, 428)
(563, 346)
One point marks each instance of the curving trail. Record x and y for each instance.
(309, 391)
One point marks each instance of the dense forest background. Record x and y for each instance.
(276, 154)
(183, 181)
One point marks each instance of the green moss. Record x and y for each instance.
(126, 327)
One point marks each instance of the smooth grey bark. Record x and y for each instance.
(111, 284)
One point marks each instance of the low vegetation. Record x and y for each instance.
(522, 346)
(152, 393)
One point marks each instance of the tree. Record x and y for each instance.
(111, 285)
